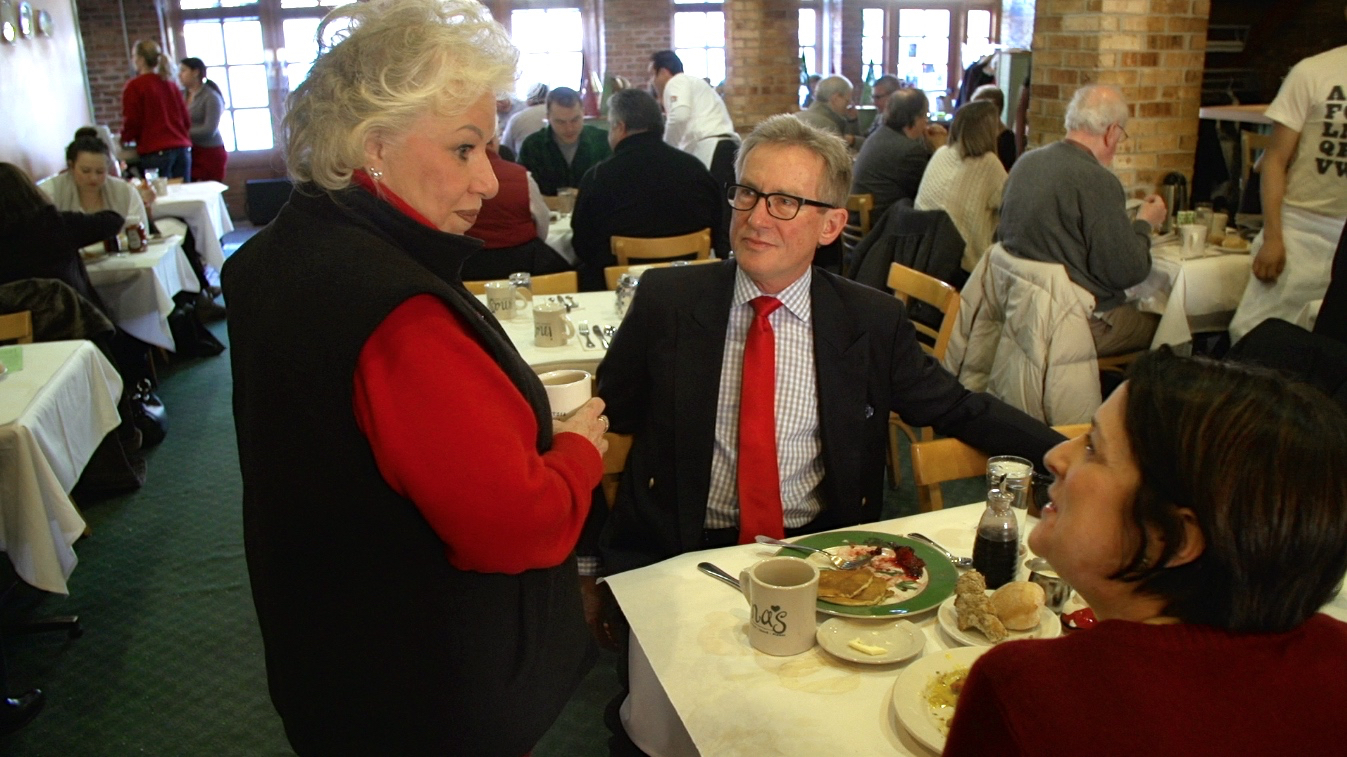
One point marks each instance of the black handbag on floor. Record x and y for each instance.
(148, 414)
(190, 338)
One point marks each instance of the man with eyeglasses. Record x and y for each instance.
(759, 389)
(1062, 204)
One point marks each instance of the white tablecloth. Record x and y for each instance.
(139, 287)
(53, 414)
(694, 675)
(559, 237)
(598, 308)
(201, 204)
(1199, 294)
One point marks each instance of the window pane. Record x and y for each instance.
(872, 51)
(296, 73)
(694, 61)
(979, 24)
(808, 34)
(227, 130)
(923, 49)
(204, 40)
(689, 30)
(715, 65)
(253, 129)
(549, 41)
(698, 2)
(243, 41)
(194, 4)
(248, 86)
(221, 78)
(301, 42)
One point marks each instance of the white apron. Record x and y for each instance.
(1310, 240)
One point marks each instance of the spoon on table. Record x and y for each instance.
(718, 574)
(834, 559)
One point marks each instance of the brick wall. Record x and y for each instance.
(107, 53)
(1152, 50)
(849, 42)
(633, 29)
(762, 59)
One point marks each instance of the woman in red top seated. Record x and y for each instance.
(1203, 520)
(512, 226)
(154, 116)
(410, 506)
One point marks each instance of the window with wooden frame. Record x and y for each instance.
(929, 44)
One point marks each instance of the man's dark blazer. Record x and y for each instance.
(661, 380)
(646, 189)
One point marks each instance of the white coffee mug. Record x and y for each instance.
(551, 327)
(1194, 236)
(503, 298)
(567, 391)
(782, 594)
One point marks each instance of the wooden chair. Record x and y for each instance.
(697, 245)
(906, 285)
(566, 282)
(17, 327)
(614, 462)
(935, 462)
(613, 272)
(862, 206)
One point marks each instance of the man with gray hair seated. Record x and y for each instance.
(1062, 204)
(831, 110)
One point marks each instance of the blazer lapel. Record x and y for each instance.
(701, 351)
(841, 361)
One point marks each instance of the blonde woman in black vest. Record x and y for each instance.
(410, 507)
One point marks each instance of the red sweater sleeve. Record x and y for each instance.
(450, 432)
(981, 725)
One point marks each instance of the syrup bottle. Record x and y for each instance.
(996, 550)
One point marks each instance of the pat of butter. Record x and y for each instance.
(864, 648)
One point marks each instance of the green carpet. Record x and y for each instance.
(171, 659)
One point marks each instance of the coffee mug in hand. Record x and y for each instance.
(782, 594)
(503, 298)
(551, 327)
(567, 391)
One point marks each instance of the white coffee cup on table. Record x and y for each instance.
(566, 391)
(551, 326)
(1194, 236)
(782, 594)
(503, 298)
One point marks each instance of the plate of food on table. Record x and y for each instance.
(975, 616)
(899, 576)
(927, 692)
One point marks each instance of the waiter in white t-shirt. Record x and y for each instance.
(696, 120)
(1304, 192)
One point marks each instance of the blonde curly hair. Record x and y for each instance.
(399, 60)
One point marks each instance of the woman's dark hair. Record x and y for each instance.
(199, 66)
(86, 144)
(1261, 462)
(20, 199)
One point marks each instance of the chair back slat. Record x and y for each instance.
(694, 246)
(17, 327)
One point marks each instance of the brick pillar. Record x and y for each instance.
(632, 31)
(107, 55)
(849, 26)
(1151, 50)
(762, 59)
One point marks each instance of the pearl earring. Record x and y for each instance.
(374, 173)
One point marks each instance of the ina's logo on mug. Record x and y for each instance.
(772, 620)
(543, 330)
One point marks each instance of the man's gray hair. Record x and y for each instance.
(832, 85)
(635, 109)
(1094, 108)
(785, 130)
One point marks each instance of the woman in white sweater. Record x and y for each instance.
(86, 187)
(965, 179)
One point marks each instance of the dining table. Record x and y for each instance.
(560, 236)
(1191, 294)
(593, 309)
(698, 687)
(202, 206)
(138, 287)
(57, 402)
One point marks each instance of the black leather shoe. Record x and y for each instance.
(15, 713)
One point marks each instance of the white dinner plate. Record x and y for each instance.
(902, 639)
(1236, 250)
(1049, 627)
(909, 694)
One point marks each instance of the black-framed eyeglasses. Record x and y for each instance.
(781, 206)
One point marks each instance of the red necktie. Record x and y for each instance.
(759, 479)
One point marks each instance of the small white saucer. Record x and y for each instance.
(901, 639)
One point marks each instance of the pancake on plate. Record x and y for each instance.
(857, 587)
